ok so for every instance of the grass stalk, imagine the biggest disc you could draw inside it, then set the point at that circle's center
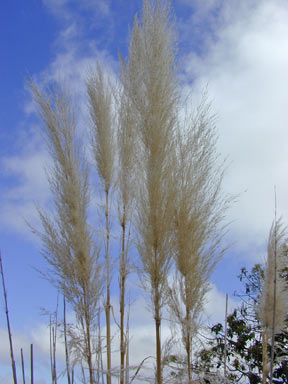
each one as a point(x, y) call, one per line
point(8, 324)
point(23, 367)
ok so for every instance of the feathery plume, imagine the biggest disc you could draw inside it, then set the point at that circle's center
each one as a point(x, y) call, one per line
point(153, 93)
point(276, 253)
point(273, 307)
point(103, 148)
point(69, 247)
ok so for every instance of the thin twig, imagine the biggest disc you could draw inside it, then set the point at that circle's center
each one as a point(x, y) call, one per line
point(139, 367)
point(8, 324)
point(65, 340)
point(22, 364)
point(31, 360)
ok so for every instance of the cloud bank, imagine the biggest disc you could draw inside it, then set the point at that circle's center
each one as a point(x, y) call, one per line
point(245, 67)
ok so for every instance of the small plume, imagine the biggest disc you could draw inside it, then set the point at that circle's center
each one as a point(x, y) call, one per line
point(102, 129)
point(277, 253)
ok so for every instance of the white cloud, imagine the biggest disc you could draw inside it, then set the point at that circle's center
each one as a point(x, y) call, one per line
point(215, 305)
point(29, 167)
point(245, 68)
point(26, 184)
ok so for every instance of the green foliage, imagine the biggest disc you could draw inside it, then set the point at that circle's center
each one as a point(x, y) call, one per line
point(252, 280)
point(244, 344)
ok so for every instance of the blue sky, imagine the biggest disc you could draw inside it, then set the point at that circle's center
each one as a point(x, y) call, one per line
point(238, 48)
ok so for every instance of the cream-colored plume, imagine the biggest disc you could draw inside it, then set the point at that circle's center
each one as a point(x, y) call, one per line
point(276, 253)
